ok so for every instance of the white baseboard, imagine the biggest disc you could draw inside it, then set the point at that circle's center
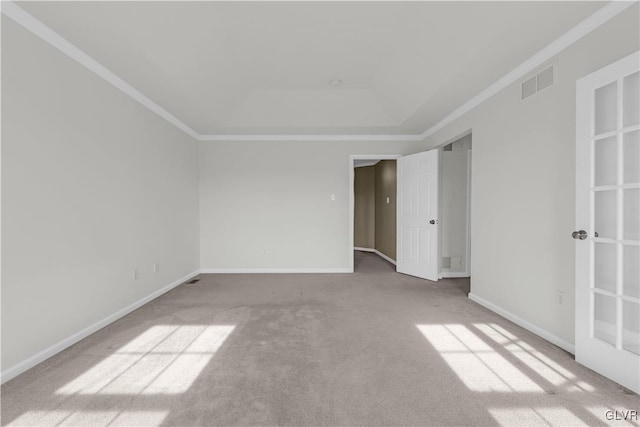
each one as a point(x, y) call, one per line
point(358, 248)
point(272, 270)
point(383, 256)
point(453, 274)
point(375, 251)
point(40, 357)
point(542, 333)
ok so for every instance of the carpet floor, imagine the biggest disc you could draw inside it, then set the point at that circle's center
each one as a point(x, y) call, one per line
point(372, 348)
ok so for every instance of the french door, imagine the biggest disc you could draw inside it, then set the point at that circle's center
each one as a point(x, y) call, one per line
point(607, 232)
point(417, 215)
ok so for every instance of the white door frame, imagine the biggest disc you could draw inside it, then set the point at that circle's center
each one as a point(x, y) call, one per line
point(351, 192)
point(469, 189)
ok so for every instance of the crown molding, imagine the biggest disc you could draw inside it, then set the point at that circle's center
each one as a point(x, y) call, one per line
point(303, 137)
point(594, 21)
point(38, 28)
point(41, 30)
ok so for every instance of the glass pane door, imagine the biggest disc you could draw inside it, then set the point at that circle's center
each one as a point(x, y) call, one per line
point(615, 206)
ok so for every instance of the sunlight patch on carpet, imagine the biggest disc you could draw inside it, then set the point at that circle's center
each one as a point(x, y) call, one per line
point(90, 418)
point(550, 371)
point(479, 366)
point(545, 416)
point(165, 359)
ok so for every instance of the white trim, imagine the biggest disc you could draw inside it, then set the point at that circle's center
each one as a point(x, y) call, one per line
point(601, 16)
point(542, 333)
point(41, 30)
point(383, 256)
point(43, 355)
point(306, 137)
point(351, 190)
point(272, 270)
point(377, 252)
point(375, 156)
point(1, 8)
point(469, 189)
point(453, 274)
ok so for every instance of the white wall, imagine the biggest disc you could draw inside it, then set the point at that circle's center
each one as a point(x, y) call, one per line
point(277, 196)
point(93, 186)
point(453, 198)
point(523, 200)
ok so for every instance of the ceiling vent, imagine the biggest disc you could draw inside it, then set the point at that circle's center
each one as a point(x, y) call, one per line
point(540, 81)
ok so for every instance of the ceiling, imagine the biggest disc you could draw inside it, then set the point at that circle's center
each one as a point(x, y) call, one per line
point(360, 163)
point(265, 68)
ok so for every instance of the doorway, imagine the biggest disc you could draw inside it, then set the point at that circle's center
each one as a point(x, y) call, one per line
point(372, 205)
point(454, 188)
point(455, 208)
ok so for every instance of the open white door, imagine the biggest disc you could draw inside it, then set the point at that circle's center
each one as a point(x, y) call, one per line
point(417, 215)
point(608, 222)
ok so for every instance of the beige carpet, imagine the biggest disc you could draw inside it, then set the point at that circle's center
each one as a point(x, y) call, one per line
point(371, 348)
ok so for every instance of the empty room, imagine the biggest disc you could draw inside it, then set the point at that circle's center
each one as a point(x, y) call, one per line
point(320, 213)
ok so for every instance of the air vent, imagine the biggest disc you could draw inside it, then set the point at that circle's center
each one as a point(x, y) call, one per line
point(540, 81)
point(545, 78)
point(529, 88)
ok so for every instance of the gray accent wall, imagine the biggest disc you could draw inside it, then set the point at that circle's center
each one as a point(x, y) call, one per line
point(385, 226)
point(375, 207)
point(364, 190)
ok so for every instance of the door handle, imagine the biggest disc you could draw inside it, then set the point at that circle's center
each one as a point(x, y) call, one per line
point(579, 235)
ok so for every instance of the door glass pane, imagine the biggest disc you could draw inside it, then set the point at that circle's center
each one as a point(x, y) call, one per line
point(631, 326)
point(631, 100)
point(605, 214)
point(631, 214)
point(604, 318)
point(605, 266)
point(606, 161)
point(631, 273)
point(605, 108)
point(631, 147)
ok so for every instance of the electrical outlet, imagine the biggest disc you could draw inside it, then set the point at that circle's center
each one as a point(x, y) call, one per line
point(265, 251)
point(135, 274)
point(560, 297)
point(156, 267)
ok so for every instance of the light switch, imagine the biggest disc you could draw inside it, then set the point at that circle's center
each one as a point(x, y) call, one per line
point(333, 197)
point(387, 200)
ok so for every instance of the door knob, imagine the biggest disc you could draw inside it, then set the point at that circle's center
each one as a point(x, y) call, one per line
point(579, 235)
point(433, 221)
